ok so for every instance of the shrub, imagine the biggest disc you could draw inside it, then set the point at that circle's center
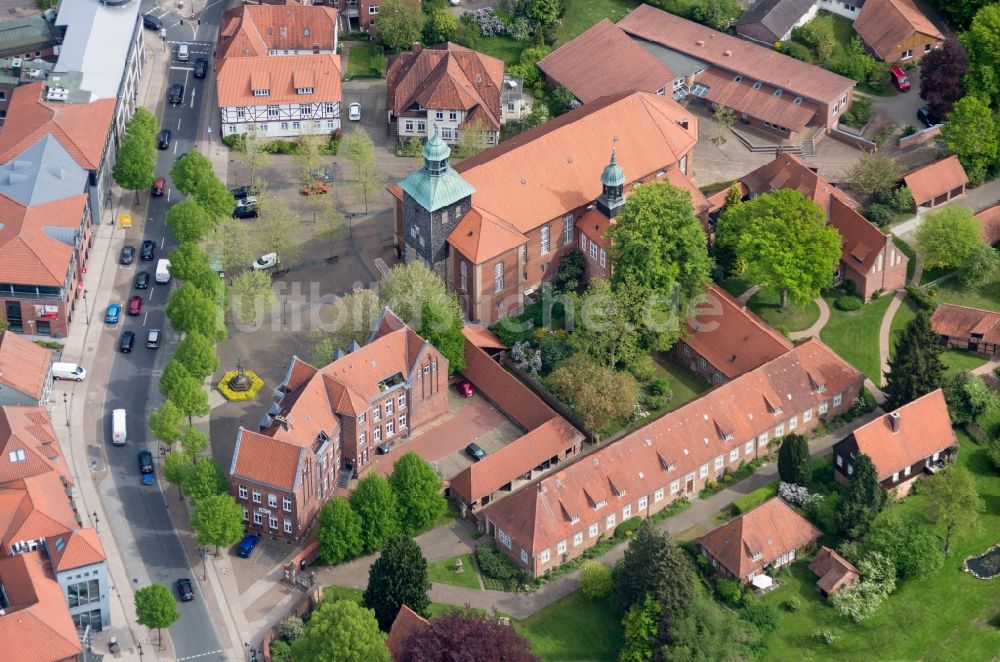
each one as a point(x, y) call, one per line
point(860, 113)
point(256, 385)
point(848, 303)
point(236, 141)
point(729, 590)
point(660, 386)
point(806, 35)
point(496, 565)
point(642, 368)
point(755, 498)
point(798, 51)
point(554, 349)
point(908, 130)
point(413, 147)
point(280, 651)
point(292, 628)
point(792, 604)
point(902, 199)
point(486, 20)
point(879, 214)
point(824, 636)
point(595, 580)
point(993, 452)
point(705, 564)
point(925, 299)
point(628, 527)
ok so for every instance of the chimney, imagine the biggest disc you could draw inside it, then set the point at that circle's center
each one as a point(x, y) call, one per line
point(894, 422)
point(727, 53)
point(416, 47)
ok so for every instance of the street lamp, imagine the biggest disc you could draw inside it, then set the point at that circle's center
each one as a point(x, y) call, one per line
point(66, 407)
point(86, 306)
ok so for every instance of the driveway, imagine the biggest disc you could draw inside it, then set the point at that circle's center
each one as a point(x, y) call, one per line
point(901, 107)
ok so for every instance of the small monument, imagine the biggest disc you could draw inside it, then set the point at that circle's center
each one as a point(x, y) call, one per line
point(239, 382)
point(458, 566)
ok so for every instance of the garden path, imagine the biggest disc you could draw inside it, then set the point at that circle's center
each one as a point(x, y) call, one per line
point(824, 317)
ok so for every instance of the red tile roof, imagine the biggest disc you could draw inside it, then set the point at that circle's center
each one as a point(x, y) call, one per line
point(252, 30)
point(961, 322)
point(861, 242)
point(604, 61)
point(481, 337)
point(989, 220)
point(29, 255)
point(934, 179)
point(28, 429)
point(238, 77)
point(734, 54)
point(730, 337)
point(760, 103)
point(481, 236)
point(266, 460)
point(37, 618)
point(923, 428)
point(756, 538)
point(82, 548)
point(834, 571)
point(446, 77)
point(33, 508)
point(24, 366)
point(406, 623)
point(885, 25)
point(513, 398)
point(81, 128)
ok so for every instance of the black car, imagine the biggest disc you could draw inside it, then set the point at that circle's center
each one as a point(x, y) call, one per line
point(142, 280)
point(929, 119)
point(383, 448)
point(184, 590)
point(163, 141)
point(176, 94)
point(200, 68)
point(127, 341)
point(241, 192)
point(127, 255)
point(148, 250)
point(475, 452)
point(151, 22)
point(245, 211)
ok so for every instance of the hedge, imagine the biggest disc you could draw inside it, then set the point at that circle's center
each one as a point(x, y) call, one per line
point(848, 303)
point(755, 498)
point(628, 527)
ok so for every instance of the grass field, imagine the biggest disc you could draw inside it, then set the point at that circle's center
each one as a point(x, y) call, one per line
point(359, 61)
point(945, 617)
point(736, 285)
point(985, 296)
point(443, 572)
point(356, 594)
point(684, 385)
point(797, 318)
point(574, 628)
point(904, 315)
point(854, 335)
point(956, 360)
point(581, 14)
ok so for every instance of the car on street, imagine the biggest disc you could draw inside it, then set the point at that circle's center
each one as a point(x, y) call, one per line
point(354, 112)
point(246, 546)
point(163, 140)
point(113, 314)
point(200, 67)
point(127, 255)
point(928, 118)
point(464, 388)
point(264, 262)
point(151, 22)
point(184, 590)
point(135, 305)
point(146, 467)
point(142, 280)
point(899, 79)
point(153, 339)
point(159, 186)
point(474, 451)
point(241, 192)
point(176, 94)
point(148, 250)
point(127, 342)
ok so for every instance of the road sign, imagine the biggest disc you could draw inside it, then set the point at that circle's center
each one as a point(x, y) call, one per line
point(209, 129)
point(124, 221)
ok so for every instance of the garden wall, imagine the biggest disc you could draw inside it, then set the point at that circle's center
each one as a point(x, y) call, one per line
point(504, 390)
point(920, 137)
point(301, 609)
point(852, 140)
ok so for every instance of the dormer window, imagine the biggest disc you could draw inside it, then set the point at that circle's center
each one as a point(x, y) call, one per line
point(757, 85)
point(303, 90)
point(262, 93)
point(17, 455)
point(737, 78)
point(797, 101)
point(778, 92)
point(305, 32)
point(756, 556)
point(600, 504)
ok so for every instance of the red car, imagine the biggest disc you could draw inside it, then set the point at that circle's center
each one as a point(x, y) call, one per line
point(464, 388)
point(159, 186)
point(899, 79)
point(135, 305)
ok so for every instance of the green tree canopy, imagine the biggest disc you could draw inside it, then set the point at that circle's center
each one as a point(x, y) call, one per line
point(354, 316)
point(176, 467)
point(597, 393)
point(135, 167)
point(654, 565)
point(190, 309)
point(982, 41)
point(706, 632)
point(641, 627)
point(784, 241)
point(596, 581)
point(418, 492)
point(916, 368)
point(948, 237)
point(610, 326)
point(189, 396)
point(193, 175)
point(194, 442)
point(204, 480)
point(969, 397)
point(913, 550)
point(232, 244)
point(544, 12)
point(953, 502)
point(166, 423)
point(339, 532)
point(156, 608)
point(793, 460)
point(217, 520)
point(874, 173)
point(375, 503)
point(279, 230)
point(399, 24)
point(398, 577)
point(971, 133)
point(441, 26)
point(341, 631)
point(173, 373)
point(863, 499)
point(982, 266)
point(197, 354)
point(188, 222)
point(251, 291)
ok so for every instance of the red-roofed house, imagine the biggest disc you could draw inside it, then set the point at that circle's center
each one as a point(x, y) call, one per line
point(564, 513)
point(834, 572)
point(407, 622)
point(769, 536)
point(448, 86)
point(326, 423)
point(34, 621)
point(896, 30)
point(971, 329)
point(25, 372)
point(277, 30)
point(902, 444)
point(989, 221)
point(938, 182)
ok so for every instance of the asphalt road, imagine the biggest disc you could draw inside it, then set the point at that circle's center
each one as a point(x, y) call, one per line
point(133, 377)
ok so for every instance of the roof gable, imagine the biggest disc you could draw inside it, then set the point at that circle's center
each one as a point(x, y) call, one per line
point(239, 77)
point(886, 24)
point(24, 367)
point(255, 30)
point(769, 21)
point(934, 179)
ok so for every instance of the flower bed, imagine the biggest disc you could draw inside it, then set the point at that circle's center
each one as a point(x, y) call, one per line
point(230, 394)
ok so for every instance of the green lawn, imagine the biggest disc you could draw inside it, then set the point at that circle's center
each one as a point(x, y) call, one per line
point(904, 315)
point(685, 385)
point(797, 318)
point(355, 595)
point(986, 296)
point(582, 14)
point(443, 572)
point(574, 628)
point(854, 335)
point(908, 251)
point(950, 616)
point(737, 285)
point(956, 360)
point(359, 59)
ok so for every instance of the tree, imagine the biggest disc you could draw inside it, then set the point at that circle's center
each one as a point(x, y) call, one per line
point(473, 138)
point(184, 389)
point(399, 24)
point(544, 12)
point(292, 628)
point(596, 581)
point(190, 309)
point(188, 263)
point(916, 368)
point(793, 460)
point(166, 423)
point(176, 467)
point(204, 480)
point(359, 151)
point(970, 132)
point(217, 520)
point(969, 397)
point(194, 442)
point(855, 62)
point(188, 222)
point(341, 631)
point(375, 503)
point(706, 632)
point(654, 565)
point(658, 245)
point(398, 577)
point(135, 166)
point(954, 503)
point(441, 326)
point(941, 73)
point(251, 290)
point(610, 327)
point(982, 42)
point(784, 241)
point(597, 393)
point(354, 316)
point(961, 11)
point(641, 627)
point(256, 155)
point(981, 267)
point(863, 499)
point(331, 222)
point(441, 26)
point(155, 608)
point(173, 373)
point(873, 173)
point(878, 580)
point(280, 230)
point(232, 244)
point(197, 354)
point(466, 635)
point(419, 492)
point(734, 196)
point(571, 271)
point(339, 532)
point(193, 175)
point(913, 550)
point(309, 155)
point(724, 118)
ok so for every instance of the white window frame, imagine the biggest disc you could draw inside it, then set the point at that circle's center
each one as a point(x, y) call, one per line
point(807, 415)
point(583, 242)
point(286, 504)
point(593, 250)
point(288, 525)
point(734, 454)
point(610, 521)
point(389, 407)
point(242, 489)
point(793, 422)
point(593, 530)
point(498, 274)
point(658, 495)
point(626, 511)
point(524, 556)
point(837, 399)
point(578, 539)
point(258, 518)
point(543, 240)
point(703, 472)
point(719, 462)
point(272, 500)
point(256, 496)
point(401, 400)
point(390, 428)
point(643, 503)
point(463, 273)
point(544, 556)
point(604, 257)
point(567, 229)
point(272, 521)
point(561, 547)
point(749, 448)
point(675, 486)
point(779, 430)
point(402, 421)
point(823, 407)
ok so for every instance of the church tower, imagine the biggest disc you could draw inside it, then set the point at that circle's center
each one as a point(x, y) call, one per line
point(612, 188)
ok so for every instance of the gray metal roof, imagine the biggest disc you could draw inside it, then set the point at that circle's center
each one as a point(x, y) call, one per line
point(683, 65)
point(35, 32)
point(42, 173)
point(96, 43)
point(769, 21)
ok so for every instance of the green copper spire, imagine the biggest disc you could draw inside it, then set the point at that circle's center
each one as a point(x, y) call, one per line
point(613, 175)
point(436, 154)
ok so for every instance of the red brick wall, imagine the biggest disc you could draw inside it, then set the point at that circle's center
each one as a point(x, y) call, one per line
point(504, 390)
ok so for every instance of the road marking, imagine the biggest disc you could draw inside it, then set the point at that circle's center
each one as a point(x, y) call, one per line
point(182, 68)
point(193, 93)
point(163, 242)
point(175, 149)
point(152, 291)
point(169, 190)
point(195, 657)
point(145, 318)
point(178, 128)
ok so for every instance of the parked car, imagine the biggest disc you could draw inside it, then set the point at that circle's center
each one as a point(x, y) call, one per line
point(899, 79)
point(151, 22)
point(159, 186)
point(246, 546)
point(475, 452)
point(241, 192)
point(153, 339)
point(135, 305)
point(146, 467)
point(354, 112)
point(148, 250)
point(176, 94)
point(127, 342)
point(142, 280)
point(464, 388)
point(200, 67)
point(113, 314)
point(928, 118)
point(245, 212)
point(383, 448)
point(264, 262)
point(127, 255)
point(320, 174)
point(184, 590)
point(163, 141)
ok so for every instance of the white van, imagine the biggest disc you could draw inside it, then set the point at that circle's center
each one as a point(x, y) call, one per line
point(118, 427)
point(163, 271)
point(183, 53)
point(68, 371)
